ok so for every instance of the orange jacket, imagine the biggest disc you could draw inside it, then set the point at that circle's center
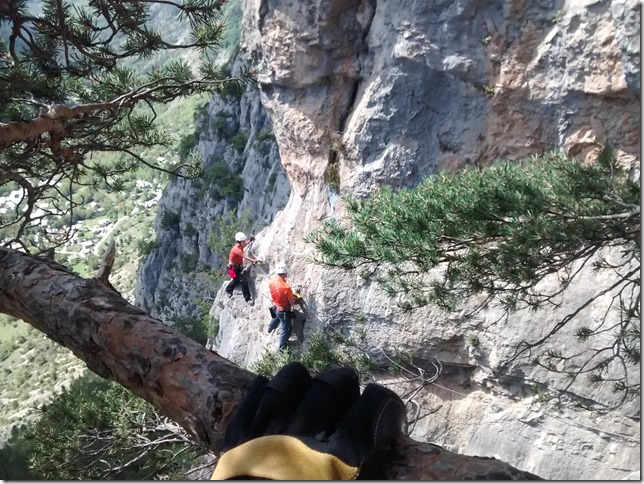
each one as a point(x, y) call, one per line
point(281, 293)
point(236, 255)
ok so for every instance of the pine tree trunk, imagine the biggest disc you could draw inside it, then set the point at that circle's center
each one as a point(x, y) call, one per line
point(191, 385)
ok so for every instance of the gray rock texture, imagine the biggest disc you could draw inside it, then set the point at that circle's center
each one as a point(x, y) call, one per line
point(385, 93)
point(182, 268)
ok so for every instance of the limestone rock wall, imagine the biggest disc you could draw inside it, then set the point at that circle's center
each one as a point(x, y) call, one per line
point(365, 93)
point(392, 91)
point(389, 92)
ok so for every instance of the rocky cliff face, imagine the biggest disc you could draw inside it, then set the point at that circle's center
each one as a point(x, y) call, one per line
point(242, 173)
point(367, 93)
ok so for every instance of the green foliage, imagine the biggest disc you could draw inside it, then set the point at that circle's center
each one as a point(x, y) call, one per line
point(7, 188)
point(170, 220)
point(109, 73)
point(175, 117)
point(222, 235)
point(192, 327)
point(200, 111)
point(332, 176)
point(186, 145)
point(219, 124)
point(222, 182)
point(98, 430)
point(239, 141)
point(93, 263)
point(211, 324)
point(144, 247)
point(15, 456)
point(270, 183)
point(263, 148)
point(324, 350)
point(499, 231)
point(233, 91)
point(190, 230)
point(198, 326)
point(231, 35)
point(265, 136)
point(189, 262)
point(558, 16)
point(264, 142)
point(502, 229)
point(270, 362)
point(26, 376)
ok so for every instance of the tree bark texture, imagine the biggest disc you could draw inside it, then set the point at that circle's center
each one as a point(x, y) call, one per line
point(53, 121)
point(191, 385)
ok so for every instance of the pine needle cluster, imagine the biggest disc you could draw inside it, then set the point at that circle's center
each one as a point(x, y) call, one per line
point(76, 81)
point(502, 231)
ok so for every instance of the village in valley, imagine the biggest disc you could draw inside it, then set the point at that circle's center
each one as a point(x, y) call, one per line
point(31, 365)
point(102, 221)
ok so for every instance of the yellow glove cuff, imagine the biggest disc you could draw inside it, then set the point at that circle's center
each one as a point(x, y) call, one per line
point(281, 457)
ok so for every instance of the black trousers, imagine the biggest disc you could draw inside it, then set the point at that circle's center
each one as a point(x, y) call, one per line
point(239, 280)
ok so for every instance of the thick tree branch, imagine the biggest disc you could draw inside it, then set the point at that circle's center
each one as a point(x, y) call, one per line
point(54, 120)
point(193, 386)
point(105, 268)
point(51, 122)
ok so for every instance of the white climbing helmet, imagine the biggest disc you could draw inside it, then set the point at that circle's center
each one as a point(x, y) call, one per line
point(280, 269)
point(240, 237)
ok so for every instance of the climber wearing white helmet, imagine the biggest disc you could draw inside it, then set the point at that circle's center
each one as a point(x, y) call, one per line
point(283, 300)
point(236, 266)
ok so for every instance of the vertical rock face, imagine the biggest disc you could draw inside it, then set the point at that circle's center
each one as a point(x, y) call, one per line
point(367, 93)
point(395, 91)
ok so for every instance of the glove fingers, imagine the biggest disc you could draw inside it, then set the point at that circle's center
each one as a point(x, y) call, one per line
point(370, 429)
point(326, 403)
point(238, 429)
point(281, 397)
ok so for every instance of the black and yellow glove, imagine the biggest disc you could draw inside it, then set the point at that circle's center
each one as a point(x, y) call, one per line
point(295, 427)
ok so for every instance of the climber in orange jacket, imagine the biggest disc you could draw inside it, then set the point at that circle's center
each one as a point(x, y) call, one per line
point(236, 266)
point(283, 299)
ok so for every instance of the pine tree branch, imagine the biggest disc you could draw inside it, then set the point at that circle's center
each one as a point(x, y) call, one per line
point(55, 119)
point(613, 216)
